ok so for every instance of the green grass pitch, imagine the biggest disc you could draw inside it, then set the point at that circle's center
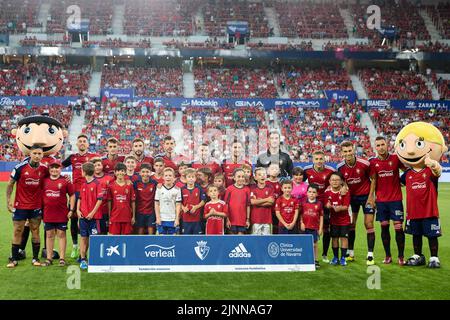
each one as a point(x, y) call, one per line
point(330, 282)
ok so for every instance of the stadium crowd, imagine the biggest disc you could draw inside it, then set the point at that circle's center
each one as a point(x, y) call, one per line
point(394, 84)
point(305, 82)
point(147, 82)
point(235, 82)
point(126, 120)
point(308, 130)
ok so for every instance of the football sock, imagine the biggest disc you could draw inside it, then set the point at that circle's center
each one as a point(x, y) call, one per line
point(434, 246)
point(36, 248)
point(417, 244)
point(336, 252)
point(326, 243)
point(400, 239)
point(343, 252)
point(386, 238)
point(25, 236)
point(351, 238)
point(370, 239)
point(15, 251)
point(74, 230)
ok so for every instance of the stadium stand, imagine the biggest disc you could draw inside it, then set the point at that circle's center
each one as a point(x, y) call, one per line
point(440, 15)
point(394, 84)
point(310, 20)
point(160, 18)
point(10, 115)
point(207, 44)
point(99, 14)
point(108, 43)
point(147, 82)
point(62, 80)
point(308, 130)
point(234, 83)
point(218, 13)
point(304, 82)
point(434, 47)
point(127, 121)
point(17, 16)
point(336, 46)
point(401, 14)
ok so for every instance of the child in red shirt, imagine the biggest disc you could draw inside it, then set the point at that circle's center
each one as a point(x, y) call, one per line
point(311, 218)
point(287, 209)
point(122, 205)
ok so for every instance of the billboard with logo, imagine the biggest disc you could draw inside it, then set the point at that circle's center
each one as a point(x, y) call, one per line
point(34, 100)
point(407, 104)
point(120, 94)
point(338, 95)
point(201, 253)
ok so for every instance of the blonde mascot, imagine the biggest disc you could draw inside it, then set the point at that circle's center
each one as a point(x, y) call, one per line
point(420, 146)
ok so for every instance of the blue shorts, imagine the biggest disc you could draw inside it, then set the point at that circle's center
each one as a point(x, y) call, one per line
point(283, 230)
point(167, 227)
point(89, 227)
point(314, 233)
point(145, 220)
point(55, 225)
point(236, 229)
point(429, 227)
point(392, 210)
point(192, 228)
point(23, 214)
point(360, 201)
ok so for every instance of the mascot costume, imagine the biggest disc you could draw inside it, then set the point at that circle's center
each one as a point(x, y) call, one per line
point(48, 133)
point(420, 146)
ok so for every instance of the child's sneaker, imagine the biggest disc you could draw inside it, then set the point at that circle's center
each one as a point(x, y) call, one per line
point(387, 260)
point(83, 265)
point(325, 259)
point(335, 261)
point(317, 264)
point(434, 263)
point(370, 261)
point(401, 261)
point(75, 252)
point(350, 258)
point(343, 261)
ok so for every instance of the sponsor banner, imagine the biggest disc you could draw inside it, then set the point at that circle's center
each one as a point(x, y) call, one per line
point(237, 26)
point(236, 103)
point(420, 104)
point(301, 103)
point(201, 253)
point(339, 95)
point(120, 94)
point(407, 104)
point(34, 101)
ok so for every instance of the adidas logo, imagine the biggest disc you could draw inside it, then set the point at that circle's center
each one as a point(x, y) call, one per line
point(240, 252)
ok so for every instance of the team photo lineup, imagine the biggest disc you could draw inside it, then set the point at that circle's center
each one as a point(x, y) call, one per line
point(224, 149)
point(138, 194)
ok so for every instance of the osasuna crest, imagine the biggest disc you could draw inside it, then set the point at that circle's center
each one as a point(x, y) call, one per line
point(59, 185)
point(358, 171)
point(390, 163)
point(201, 250)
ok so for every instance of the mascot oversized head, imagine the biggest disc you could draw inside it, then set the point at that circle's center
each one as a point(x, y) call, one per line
point(40, 130)
point(420, 144)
